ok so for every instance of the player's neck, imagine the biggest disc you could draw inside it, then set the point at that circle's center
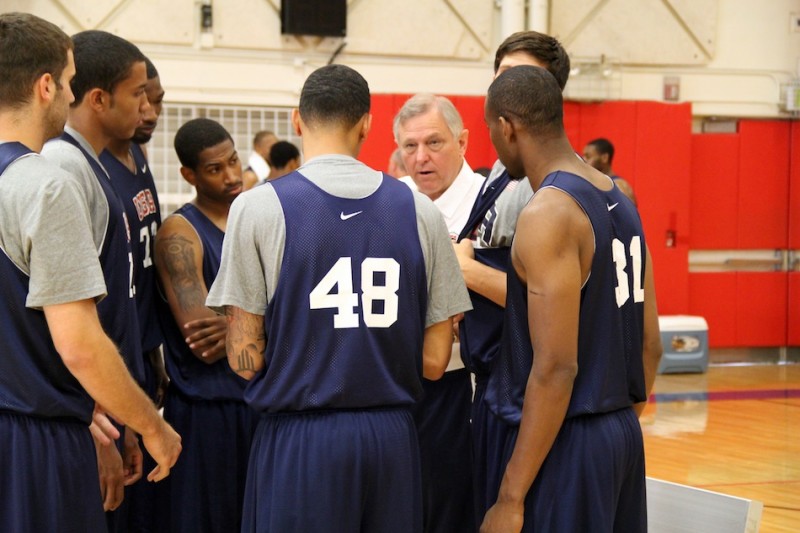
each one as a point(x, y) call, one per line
point(120, 148)
point(546, 156)
point(20, 127)
point(84, 122)
point(215, 211)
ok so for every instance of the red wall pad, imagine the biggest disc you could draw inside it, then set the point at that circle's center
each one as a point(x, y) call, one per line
point(662, 166)
point(761, 308)
point(714, 192)
point(794, 188)
point(712, 296)
point(763, 184)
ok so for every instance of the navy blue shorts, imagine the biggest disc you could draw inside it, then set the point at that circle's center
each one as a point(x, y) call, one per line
point(49, 479)
point(593, 478)
point(334, 471)
point(489, 437)
point(205, 488)
point(442, 419)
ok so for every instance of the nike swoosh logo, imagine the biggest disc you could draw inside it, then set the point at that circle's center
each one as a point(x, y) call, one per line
point(144, 169)
point(610, 207)
point(351, 215)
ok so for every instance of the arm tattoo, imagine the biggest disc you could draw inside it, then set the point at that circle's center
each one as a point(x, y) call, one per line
point(183, 275)
point(246, 341)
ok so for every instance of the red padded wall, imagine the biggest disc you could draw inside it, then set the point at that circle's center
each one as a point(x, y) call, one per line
point(761, 308)
point(572, 124)
point(763, 219)
point(711, 296)
point(714, 191)
point(615, 121)
point(380, 143)
point(793, 314)
point(480, 152)
point(793, 303)
point(662, 165)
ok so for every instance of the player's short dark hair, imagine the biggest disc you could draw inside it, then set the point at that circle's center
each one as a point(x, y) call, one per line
point(195, 136)
point(30, 47)
point(543, 47)
point(152, 72)
point(603, 146)
point(531, 96)
point(102, 60)
point(281, 153)
point(334, 94)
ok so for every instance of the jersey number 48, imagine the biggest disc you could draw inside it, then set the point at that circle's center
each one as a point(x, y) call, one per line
point(346, 302)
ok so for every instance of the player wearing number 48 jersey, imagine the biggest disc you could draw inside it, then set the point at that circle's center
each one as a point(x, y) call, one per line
point(339, 285)
point(580, 342)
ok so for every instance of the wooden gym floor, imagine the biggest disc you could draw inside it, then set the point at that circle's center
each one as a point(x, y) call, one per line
point(733, 430)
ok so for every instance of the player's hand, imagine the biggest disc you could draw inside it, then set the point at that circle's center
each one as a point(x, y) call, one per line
point(504, 518)
point(109, 467)
point(465, 252)
point(207, 335)
point(164, 446)
point(132, 458)
point(101, 427)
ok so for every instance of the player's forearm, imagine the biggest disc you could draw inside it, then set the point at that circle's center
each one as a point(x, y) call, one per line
point(437, 347)
point(546, 401)
point(485, 280)
point(95, 362)
point(246, 342)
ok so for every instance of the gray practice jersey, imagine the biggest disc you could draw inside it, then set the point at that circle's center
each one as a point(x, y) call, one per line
point(249, 281)
point(69, 158)
point(45, 230)
point(498, 227)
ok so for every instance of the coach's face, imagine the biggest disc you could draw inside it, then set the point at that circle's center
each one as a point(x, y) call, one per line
point(432, 155)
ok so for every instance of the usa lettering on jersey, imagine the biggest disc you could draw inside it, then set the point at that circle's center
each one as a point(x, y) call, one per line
point(145, 204)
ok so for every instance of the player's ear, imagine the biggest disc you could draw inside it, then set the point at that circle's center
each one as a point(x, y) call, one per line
point(188, 175)
point(97, 98)
point(508, 129)
point(366, 125)
point(296, 122)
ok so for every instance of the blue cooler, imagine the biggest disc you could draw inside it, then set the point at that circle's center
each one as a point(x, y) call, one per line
point(685, 342)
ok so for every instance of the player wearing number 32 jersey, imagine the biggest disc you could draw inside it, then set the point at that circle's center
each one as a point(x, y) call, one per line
point(340, 284)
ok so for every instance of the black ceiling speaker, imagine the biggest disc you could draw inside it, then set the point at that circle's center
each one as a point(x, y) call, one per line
point(326, 18)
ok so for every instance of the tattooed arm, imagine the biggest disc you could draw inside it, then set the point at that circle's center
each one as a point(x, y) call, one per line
point(246, 341)
point(179, 262)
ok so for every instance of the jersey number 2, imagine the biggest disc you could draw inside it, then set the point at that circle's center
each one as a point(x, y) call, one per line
point(345, 301)
point(622, 290)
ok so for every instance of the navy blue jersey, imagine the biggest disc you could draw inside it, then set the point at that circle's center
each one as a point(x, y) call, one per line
point(188, 374)
point(610, 371)
point(137, 190)
point(117, 311)
point(346, 322)
point(481, 329)
point(33, 377)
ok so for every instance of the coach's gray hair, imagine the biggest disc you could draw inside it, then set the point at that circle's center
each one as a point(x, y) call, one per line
point(420, 104)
